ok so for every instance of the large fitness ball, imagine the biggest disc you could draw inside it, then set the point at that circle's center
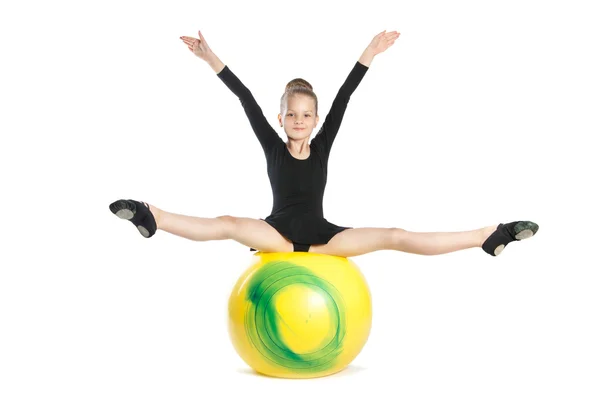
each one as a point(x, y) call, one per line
point(299, 315)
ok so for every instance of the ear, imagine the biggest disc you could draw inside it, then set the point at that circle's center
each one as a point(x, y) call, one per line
point(279, 118)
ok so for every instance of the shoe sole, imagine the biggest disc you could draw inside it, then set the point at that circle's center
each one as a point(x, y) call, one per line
point(525, 230)
point(123, 209)
point(143, 231)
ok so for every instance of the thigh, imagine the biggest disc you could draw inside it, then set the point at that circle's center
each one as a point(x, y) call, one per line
point(357, 241)
point(257, 234)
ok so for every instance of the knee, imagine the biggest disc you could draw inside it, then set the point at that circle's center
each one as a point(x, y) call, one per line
point(397, 236)
point(228, 224)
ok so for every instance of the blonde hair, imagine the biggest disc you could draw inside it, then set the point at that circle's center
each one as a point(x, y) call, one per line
point(298, 86)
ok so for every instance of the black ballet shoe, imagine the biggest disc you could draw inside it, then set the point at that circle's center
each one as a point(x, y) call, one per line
point(506, 233)
point(138, 213)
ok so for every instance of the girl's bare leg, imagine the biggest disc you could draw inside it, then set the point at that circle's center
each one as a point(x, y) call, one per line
point(250, 232)
point(354, 242)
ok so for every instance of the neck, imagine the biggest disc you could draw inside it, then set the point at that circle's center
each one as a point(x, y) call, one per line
point(298, 146)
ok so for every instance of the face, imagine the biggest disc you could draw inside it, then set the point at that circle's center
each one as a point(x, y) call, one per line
point(300, 118)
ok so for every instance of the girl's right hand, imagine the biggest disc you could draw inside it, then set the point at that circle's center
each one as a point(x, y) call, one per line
point(198, 46)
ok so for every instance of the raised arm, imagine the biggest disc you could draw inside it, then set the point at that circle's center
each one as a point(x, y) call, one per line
point(262, 129)
point(326, 135)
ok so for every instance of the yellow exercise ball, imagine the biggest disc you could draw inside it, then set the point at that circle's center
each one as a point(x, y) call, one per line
point(299, 315)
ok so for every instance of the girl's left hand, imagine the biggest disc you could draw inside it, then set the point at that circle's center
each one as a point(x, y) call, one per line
point(382, 41)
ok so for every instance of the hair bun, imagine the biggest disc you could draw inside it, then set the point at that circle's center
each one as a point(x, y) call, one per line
point(298, 82)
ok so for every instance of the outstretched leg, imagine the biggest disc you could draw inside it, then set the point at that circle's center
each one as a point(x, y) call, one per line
point(250, 232)
point(357, 241)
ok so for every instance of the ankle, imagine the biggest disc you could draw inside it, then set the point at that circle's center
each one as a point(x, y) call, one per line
point(485, 233)
point(157, 214)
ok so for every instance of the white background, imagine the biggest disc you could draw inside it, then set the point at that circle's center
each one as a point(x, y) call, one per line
point(480, 113)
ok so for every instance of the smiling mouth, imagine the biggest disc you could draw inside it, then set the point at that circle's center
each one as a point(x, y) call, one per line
point(298, 129)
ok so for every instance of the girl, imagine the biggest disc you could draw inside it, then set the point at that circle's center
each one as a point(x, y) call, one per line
point(297, 171)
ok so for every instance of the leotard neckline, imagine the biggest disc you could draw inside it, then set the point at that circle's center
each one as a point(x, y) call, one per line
point(295, 158)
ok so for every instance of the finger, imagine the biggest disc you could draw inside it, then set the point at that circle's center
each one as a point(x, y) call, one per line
point(193, 43)
point(200, 36)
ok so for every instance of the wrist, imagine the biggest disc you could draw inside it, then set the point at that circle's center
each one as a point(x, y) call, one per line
point(367, 57)
point(214, 62)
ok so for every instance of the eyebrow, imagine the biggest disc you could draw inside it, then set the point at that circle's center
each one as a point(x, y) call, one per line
point(289, 109)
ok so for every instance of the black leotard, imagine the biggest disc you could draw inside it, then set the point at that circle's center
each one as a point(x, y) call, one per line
point(298, 185)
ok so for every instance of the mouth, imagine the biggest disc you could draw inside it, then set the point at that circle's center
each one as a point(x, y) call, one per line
point(298, 129)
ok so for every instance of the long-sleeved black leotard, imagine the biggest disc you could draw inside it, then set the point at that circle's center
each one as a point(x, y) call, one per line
point(298, 185)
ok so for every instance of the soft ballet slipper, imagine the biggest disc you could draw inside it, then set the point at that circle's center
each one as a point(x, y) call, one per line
point(506, 233)
point(138, 213)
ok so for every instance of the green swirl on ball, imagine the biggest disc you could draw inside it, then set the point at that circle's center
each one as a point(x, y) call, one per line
point(262, 320)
